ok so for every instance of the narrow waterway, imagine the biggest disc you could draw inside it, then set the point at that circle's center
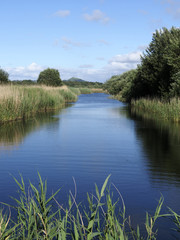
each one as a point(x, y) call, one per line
point(89, 140)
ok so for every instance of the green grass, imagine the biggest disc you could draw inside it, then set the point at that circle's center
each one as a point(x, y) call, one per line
point(85, 90)
point(21, 102)
point(75, 90)
point(103, 218)
point(17, 102)
point(158, 109)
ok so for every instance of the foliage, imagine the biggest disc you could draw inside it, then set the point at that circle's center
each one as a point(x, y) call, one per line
point(159, 63)
point(37, 217)
point(158, 73)
point(20, 102)
point(3, 76)
point(23, 82)
point(85, 90)
point(158, 109)
point(49, 77)
point(175, 86)
point(82, 84)
point(121, 85)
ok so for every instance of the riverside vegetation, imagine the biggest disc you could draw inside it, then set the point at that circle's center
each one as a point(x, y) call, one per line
point(36, 217)
point(158, 109)
point(156, 79)
point(19, 102)
point(21, 99)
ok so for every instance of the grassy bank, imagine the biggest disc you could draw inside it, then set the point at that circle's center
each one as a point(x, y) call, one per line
point(103, 218)
point(158, 109)
point(18, 102)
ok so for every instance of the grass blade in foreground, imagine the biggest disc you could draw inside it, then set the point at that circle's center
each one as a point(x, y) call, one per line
point(37, 219)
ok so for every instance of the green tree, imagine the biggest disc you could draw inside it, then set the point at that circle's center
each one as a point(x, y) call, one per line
point(121, 85)
point(175, 86)
point(49, 77)
point(4, 76)
point(159, 63)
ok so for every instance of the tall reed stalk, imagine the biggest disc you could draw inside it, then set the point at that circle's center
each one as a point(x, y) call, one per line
point(159, 109)
point(17, 102)
point(104, 218)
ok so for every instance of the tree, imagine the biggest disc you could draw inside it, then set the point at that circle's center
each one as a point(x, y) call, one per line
point(4, 76)
point(159, 63)
point(175, 86)
point(121, 85)
point(50, 77)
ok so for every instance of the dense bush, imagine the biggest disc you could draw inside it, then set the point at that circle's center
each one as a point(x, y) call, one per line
point(121, 85)
point(50, 77)
point(159, 63)
point(3, 76)
point(158, 75)
point(23, 82)
point(175, 86)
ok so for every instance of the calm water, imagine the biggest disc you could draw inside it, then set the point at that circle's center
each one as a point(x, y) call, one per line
point(89, 140)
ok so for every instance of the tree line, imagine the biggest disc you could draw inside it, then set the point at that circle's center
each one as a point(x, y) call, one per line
point(158, 74)
point(49, 77)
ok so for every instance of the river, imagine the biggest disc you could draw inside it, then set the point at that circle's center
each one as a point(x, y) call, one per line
point(89, 140)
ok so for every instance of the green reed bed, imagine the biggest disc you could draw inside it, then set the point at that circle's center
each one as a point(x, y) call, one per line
point(98, 90)
point(75, 90)
point(85, 90)
point(164, 110)
point(69, 95)
point(103, 218)
point(79, 91)
point(17, 102)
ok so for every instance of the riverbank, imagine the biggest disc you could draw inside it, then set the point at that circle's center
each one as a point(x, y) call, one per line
point(20, 102)
point(158, 109)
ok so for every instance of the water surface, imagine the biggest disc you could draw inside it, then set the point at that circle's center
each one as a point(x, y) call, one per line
point(89, 140)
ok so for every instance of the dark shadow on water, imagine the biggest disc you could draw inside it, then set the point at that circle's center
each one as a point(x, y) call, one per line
point(160, 143)
point(13, 133)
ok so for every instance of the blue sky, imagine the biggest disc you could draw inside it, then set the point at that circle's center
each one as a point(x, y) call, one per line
point(92, 40)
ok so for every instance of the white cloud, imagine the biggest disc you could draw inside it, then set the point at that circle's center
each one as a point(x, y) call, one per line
point(97, 16)
point(129, 58)
point(29, 72)
point(116, 65)
point(86, 74)
point(62, 13)
point(69, 43)
point(34, 67)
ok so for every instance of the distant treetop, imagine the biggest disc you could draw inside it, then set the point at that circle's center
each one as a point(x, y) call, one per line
point(50, 77)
